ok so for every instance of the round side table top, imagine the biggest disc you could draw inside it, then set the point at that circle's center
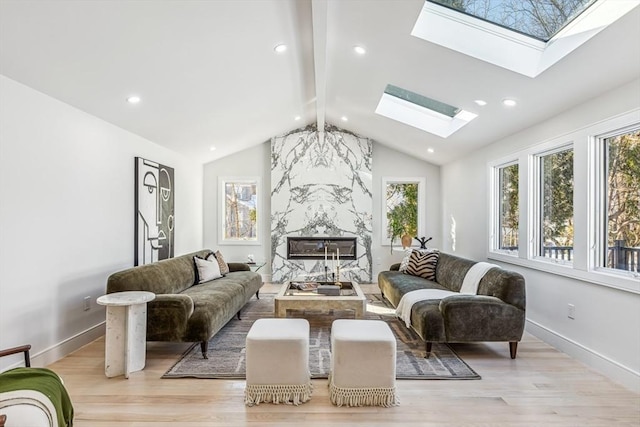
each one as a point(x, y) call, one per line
point(126, 298)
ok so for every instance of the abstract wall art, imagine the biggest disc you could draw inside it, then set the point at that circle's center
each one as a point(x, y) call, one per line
point(154, 211)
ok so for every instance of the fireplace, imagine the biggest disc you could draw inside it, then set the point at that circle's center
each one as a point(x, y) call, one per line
point(314, 247)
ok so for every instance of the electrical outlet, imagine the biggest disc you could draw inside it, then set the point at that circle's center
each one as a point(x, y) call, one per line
point(571, 311)
point(87, 303)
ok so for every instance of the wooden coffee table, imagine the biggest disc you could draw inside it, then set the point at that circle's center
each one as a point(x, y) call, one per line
point(287, 299)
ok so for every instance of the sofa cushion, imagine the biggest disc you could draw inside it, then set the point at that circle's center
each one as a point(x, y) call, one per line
point(423, 264)
point(224, 268)
point(207, 270)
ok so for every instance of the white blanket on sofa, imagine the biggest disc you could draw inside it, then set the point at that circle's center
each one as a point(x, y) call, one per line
point(403, 310)
point(473, 277)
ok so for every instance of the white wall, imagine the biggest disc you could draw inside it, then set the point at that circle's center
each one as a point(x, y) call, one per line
point(257, 161)
point(388, 162)
point(606, 331)
point(67, 218)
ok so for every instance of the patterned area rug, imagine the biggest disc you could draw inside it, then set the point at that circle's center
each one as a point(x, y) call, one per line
point(227, 347)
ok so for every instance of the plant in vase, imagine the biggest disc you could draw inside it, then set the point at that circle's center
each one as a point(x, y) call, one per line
point(402, 219)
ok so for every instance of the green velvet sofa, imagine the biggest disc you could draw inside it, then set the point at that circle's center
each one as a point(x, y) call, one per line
point(495, 313)
point(184, 310)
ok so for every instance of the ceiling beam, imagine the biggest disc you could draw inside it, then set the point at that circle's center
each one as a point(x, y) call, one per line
point(319, 13)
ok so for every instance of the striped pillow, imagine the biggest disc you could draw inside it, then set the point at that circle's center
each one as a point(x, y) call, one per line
point(423, 264)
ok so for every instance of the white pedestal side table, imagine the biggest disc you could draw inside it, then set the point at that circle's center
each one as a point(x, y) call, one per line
point(126, 337)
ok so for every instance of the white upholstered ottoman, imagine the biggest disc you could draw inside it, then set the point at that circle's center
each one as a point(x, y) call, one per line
point(363, 363)
point(278, 362)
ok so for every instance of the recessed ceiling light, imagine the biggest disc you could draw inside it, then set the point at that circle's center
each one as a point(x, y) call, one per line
point(480, 102)
point(509, 102)
point(296, 118)
point(430, 150)
point(359, 50)
point(344, 118)
point(212, 148)
point(280, 48)
point(133, 99)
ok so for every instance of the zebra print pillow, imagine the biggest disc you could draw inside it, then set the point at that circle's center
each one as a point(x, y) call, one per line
point(423, 264)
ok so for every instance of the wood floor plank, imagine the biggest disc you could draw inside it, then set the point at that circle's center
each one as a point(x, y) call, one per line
point(541, 387)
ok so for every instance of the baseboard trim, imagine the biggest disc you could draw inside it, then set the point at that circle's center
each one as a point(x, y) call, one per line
point(608, 367)
point(68, 346)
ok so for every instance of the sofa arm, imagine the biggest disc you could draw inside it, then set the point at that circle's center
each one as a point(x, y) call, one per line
point(481, 318)
point(167, 317)
point(238, 266)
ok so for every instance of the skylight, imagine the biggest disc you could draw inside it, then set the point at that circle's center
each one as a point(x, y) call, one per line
point(541, 19)
point(505, 44)
point(421, 112)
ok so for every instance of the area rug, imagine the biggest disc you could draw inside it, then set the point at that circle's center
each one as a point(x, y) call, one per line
point(227, 348)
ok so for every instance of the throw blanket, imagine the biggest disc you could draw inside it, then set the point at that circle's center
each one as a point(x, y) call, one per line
point(473, 277)
point(403, 311)
point(46, 382)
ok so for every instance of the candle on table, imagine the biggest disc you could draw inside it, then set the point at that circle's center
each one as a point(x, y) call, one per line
point(325, 254)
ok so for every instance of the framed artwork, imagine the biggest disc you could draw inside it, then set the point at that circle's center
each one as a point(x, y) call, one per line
point(403, 208)
point(154, 211)
point(239, 210)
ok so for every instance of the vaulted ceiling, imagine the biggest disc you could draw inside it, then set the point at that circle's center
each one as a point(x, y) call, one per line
point(208, 75)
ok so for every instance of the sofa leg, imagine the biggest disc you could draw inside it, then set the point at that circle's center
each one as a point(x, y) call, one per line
point(204, 346)
point(427, 347)
point(258, 294)
point(238, 314)
point(513, 348)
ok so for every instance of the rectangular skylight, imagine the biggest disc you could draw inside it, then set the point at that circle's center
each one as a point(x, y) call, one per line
point(512, 49)
point(422, 112)
point(539, 19)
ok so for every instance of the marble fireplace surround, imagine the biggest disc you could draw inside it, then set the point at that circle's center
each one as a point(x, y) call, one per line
point(321, 186)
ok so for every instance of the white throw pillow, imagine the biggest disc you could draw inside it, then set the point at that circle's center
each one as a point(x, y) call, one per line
point(207, 270)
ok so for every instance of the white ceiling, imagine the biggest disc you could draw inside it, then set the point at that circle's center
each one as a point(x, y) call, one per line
point(208, 75)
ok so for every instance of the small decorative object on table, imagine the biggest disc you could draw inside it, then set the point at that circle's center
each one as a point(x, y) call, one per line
point(423, 241)
point(251, 259)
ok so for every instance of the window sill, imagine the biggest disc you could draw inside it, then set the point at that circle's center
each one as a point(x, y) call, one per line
point(623, 280)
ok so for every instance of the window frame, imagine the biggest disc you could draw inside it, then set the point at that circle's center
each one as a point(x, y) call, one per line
point(495, 206)
point(536, 244)
point(222, 182)
point(599, 193)
point(422, 194)
point(585, 145)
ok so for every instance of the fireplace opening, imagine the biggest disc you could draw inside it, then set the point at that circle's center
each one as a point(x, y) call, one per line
point(314, 247)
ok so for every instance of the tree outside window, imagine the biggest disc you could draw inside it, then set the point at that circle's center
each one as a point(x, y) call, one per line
point(556, 205)
point(239, 200)
point(509, 213)
point(622, 200)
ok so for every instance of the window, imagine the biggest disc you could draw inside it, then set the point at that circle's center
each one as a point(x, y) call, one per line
point(539, 19)
point(508, 208)
point(620, 160)
point(239, 210)
point(555, 205)
point(403, 209)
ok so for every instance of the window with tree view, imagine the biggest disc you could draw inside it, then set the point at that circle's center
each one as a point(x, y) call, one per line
point(239, 210)
point(508, 209)
point(555, 230)
point(622, 201)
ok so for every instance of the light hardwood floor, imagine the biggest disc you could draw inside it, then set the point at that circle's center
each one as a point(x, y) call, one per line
point(542, 387)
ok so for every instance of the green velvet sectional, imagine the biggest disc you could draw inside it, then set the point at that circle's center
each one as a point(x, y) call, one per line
point(184, 310)
point(495, 313)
